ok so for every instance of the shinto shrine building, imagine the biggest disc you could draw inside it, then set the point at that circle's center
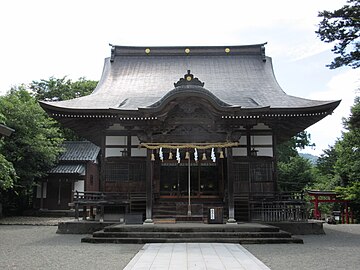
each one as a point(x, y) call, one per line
point(189, 127)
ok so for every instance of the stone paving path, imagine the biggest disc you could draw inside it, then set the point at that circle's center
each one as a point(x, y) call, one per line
point(182, 256)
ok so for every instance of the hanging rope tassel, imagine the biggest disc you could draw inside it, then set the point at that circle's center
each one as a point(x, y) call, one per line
point(178, 155)
point(213, 157)
point(161, 155)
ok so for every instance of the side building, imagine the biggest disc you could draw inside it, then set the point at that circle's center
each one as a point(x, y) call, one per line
point(189, 127)
point(76, 171)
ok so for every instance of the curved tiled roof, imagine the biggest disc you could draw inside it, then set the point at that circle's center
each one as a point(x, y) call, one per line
point(69, 169)
point(139, 77)
point(79, 151)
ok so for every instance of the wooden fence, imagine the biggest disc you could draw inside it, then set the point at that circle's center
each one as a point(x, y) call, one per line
point(99, 200)
point(276, 207)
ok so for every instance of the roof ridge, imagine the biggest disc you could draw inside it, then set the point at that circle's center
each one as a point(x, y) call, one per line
point(254, 49)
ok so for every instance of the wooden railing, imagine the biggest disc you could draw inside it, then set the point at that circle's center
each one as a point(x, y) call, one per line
point(99, 200)
point(275, 207)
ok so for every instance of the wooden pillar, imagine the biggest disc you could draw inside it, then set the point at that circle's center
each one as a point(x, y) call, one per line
point(59, 192)
point(149, 181)
point(347, 213)
point(248, 141)
point(102, 210)
point(92, 216)
point(42, 196)
point(316, 208)
point(275, 158)
point(102, 164)
point(230, 187)
point(76, 211)
point(84, 214)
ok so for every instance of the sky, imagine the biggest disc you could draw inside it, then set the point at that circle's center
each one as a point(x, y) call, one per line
point(42, 38)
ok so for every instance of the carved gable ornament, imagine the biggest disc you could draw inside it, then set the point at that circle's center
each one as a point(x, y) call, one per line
point(189, 79)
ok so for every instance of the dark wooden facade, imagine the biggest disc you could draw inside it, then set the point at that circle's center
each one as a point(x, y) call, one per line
point(189, 145)
point(77, 171)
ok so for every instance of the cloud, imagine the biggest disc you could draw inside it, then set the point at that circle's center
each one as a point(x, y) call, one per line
point(342, 86)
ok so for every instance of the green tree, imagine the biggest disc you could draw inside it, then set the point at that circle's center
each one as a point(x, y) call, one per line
point(347, 160)
point(353, 122)
point(294, 175)
point(7, 171)
point(326, 162)
point(34, 147)
point(288, 149)
point(294, 172)
point(57, 89)
point(342, 27)
point(7, 174)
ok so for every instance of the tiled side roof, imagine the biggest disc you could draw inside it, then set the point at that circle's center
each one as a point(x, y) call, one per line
point(4, 130)
point(133, 79)
point(79, 151)
point(69, 169)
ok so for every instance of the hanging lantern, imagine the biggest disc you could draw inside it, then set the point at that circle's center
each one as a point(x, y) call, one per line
point(221, 154)
point(170, 155)
point(187, 155)
point(204, 156)
point(152, 157)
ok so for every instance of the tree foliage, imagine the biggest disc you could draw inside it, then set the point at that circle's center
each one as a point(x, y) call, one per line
point(7, 174)
point(342, 26)
point(7, 171)
point(326, 162)
point(294, 172)
point(294, 175)
point(57, 89)
point(339, 167)
point(288, 149)
point(34, 146)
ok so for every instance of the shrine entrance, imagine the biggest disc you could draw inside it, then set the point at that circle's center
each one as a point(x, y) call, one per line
point(206, 179)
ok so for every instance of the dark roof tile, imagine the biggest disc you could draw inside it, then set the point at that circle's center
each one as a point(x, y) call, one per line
point(69, 169)
point(79, 151)
point(132, 79)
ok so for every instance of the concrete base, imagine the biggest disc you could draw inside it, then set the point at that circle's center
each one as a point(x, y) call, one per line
point(81, 227)
point(300, 228)
point(88, 227)
point(231, 221)
point(148, 222)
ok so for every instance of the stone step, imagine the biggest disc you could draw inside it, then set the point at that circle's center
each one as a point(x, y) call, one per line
point(192, 240)
point(194, 227)
point(193, 235)
point(164, 220)
point(250, 233)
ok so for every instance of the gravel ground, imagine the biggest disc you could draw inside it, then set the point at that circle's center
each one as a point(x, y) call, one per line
point(39, 247)
point(338, 249)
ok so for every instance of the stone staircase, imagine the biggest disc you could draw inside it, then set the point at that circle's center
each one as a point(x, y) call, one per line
point(246, 233)
point(171, 211)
